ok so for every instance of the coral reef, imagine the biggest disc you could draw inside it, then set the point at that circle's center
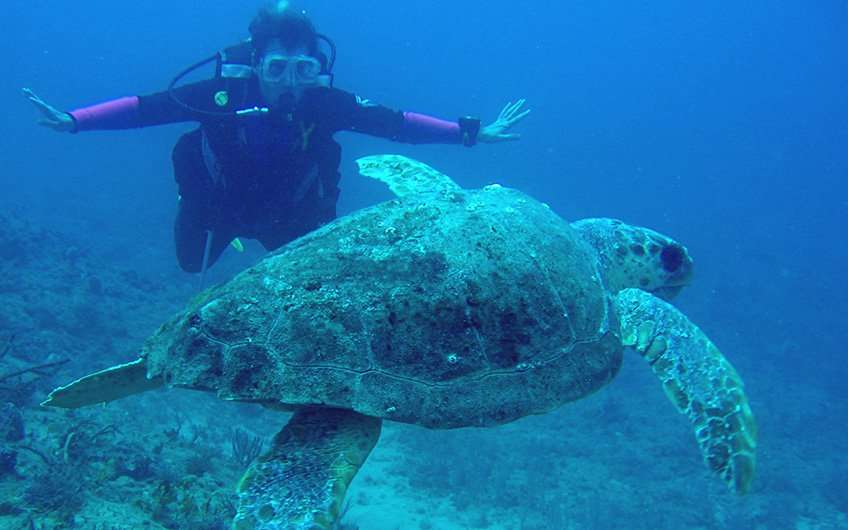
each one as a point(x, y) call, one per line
point(11, 423)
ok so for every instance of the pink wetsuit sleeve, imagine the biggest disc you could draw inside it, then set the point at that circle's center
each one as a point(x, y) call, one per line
point(121, 113)
point(423, 129)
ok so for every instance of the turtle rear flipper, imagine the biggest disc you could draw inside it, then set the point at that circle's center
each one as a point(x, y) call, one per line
point(698, 379)
point(106, 385)
point(301, 481)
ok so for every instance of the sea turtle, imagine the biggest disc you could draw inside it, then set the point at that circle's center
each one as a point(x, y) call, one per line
point(444, 308)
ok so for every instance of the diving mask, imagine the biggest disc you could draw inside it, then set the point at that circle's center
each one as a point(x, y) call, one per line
point(290, 70)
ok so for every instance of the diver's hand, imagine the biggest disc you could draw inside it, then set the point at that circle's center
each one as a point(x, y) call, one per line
point(51, 116)
point(497, 131)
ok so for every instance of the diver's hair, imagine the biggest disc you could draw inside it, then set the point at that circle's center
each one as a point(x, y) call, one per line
point(278, 20)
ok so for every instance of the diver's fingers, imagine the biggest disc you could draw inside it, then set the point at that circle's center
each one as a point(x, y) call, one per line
point(510, 108)
point(35, 100)
point(518, 109)
point(44, 109)
point(504, 110)
point(49, 111)
point(30, 95)
point(50, 124)
point(515, 107)
point(515, 119)
point(41, 105)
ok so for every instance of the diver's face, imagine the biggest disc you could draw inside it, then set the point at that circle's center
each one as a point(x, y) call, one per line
point(284, 73)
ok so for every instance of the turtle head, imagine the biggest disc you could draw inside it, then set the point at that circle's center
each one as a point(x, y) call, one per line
point(633, 256)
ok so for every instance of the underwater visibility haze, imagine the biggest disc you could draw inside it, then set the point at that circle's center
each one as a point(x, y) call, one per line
point(723, 127)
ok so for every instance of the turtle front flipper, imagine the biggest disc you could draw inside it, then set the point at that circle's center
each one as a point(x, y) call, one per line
point(106, 385)
point(301, 481)
point(698, 379)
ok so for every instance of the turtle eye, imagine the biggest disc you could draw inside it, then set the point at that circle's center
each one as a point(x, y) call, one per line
point(672, 258)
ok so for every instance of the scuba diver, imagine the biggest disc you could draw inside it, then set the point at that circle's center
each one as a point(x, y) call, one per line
point(263, 163)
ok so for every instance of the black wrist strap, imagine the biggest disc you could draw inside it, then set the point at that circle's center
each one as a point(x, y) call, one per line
point(469, 128)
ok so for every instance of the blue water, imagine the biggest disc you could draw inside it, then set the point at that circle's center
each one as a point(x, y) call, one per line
point(722, 124)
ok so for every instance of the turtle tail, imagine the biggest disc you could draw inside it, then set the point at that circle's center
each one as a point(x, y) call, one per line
point(698, 379)
point(106, 385)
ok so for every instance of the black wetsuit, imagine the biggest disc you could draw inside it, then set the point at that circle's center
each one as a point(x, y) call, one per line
point(271, 177)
